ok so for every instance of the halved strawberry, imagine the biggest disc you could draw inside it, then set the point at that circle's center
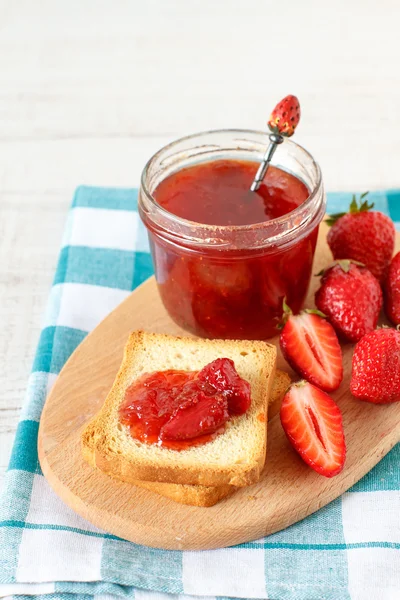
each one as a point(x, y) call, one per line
point(312, 422)
point(311, 347)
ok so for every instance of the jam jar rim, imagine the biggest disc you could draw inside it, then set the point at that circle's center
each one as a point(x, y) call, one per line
point(303, 218)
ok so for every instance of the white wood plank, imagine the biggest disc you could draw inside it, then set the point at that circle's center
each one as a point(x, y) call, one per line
point(60, 165)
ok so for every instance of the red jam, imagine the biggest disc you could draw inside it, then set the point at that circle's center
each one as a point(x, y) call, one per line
point(214, 292)
point(180, 409)
point(218, 193)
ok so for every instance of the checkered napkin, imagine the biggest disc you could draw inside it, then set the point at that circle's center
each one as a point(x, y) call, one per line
point(349, 550)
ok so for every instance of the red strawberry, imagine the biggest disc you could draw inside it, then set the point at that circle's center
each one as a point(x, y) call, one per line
point(310, 345)
point(392, 291)
point(375, 374)
point(351, 298)
point(285, 117)
point(312, 422)
point(363, 235)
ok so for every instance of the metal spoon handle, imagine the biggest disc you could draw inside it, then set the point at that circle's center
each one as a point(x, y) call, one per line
point(275, 140)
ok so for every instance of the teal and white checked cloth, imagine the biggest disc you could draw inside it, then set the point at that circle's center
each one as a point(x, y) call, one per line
point(349, 550)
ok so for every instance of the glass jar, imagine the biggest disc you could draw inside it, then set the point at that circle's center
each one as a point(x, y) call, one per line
point(230, 281)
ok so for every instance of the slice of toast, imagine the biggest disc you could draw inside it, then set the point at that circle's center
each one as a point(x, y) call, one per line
point(279, 388)
point(200, 495)
point(235, 457)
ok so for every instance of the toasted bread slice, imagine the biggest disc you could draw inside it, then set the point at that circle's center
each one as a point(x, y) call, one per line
point(201, 495)
point(279, 388)
point(235, 457)
point(194, 495)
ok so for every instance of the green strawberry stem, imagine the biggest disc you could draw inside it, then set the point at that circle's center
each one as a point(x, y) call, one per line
point(354, 208)
point(315, 311)
point(287, 313)
point(299, 384)
point(344, 263)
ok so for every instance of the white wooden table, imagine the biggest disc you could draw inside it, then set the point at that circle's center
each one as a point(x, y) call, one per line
point(89, 90)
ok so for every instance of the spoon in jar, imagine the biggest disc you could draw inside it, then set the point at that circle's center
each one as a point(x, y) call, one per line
point(283, 121)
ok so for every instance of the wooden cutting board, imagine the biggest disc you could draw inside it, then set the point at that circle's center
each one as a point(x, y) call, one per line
point(287, 492)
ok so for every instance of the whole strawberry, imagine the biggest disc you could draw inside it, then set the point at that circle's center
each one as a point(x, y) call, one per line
point(351, 297)
point(392, 291)
point(285, 117)
point(364, 235)
point(375, 373)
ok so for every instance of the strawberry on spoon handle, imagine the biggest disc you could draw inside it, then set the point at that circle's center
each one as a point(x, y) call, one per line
point(285, 117)
point(283, 121)
point(313, 425)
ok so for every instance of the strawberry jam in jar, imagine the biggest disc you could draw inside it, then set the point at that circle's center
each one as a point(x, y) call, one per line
point(226, 257)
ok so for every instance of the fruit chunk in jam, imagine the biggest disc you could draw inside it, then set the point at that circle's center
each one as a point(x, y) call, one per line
point(230, 293)
point(222, 376)
point(179, 409)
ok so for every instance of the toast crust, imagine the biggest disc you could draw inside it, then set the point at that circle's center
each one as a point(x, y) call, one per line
point(192, 495)
point(131, 460)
